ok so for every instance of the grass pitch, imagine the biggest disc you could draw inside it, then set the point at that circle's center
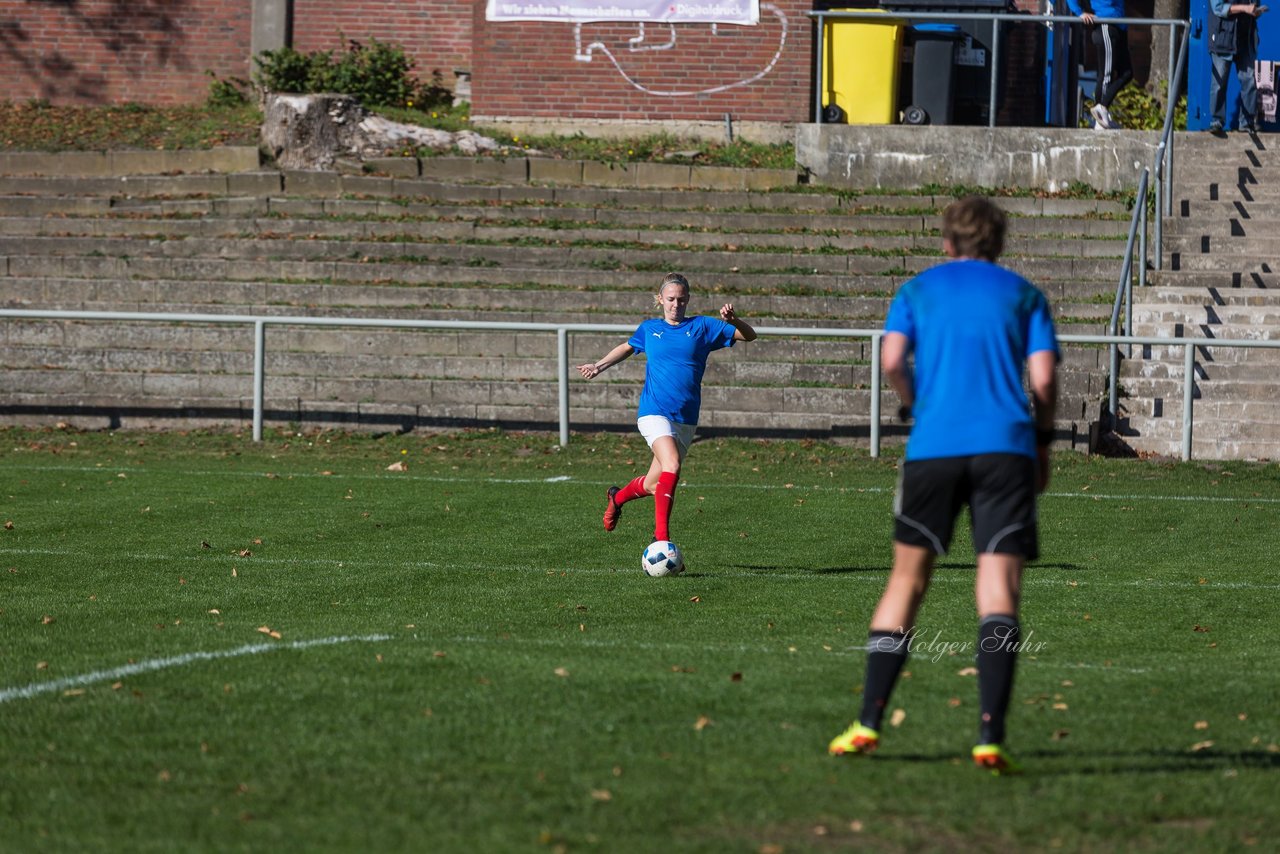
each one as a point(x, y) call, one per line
point(207, 644)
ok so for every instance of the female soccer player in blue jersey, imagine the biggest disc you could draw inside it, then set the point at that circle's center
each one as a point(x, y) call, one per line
point(676, 348)
point(970, 325)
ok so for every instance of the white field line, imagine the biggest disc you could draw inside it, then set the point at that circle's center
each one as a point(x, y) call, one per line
point(929, 655)
point(36, 688)
point(114, 471)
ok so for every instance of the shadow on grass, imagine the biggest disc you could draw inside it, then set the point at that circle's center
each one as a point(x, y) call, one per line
point(1045, 763)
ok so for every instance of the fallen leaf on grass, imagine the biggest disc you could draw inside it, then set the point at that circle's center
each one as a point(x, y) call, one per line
point(73, 692)
point(1062, 707)
point(736, 677)
point(602, 795)
point(898, 716)
point(954, 702)
point(1201, 745)
point(855, 826)
point(702, 723)
point(1199, 628)
point(1060, 734)
point(245, 553)
point(967, 671)
point(560, 671)
point(1201, 725)
point(397, 466)
point(267, 630)
point(46, 619)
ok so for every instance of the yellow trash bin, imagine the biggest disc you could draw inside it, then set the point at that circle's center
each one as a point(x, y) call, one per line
point(860, 68)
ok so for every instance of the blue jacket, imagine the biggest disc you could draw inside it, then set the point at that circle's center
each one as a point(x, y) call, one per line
point(1101, 8)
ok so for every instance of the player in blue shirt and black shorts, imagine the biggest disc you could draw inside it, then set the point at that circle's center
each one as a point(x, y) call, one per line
point(970, 325)
point(676, 348)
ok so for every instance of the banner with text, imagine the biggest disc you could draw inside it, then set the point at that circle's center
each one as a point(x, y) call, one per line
point(641, 11)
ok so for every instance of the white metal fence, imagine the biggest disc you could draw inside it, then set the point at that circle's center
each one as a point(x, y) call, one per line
point(562, 332)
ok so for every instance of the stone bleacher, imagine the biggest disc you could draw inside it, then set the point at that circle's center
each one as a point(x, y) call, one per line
point(453, 241)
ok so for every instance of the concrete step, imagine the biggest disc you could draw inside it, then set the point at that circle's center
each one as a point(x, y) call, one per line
point(1209, 370)
point(1217, 317)
point(499, 187)
point(1221, 281)
point(1258, 242)
point(1205, 351)
point(248, 216)
point(552, 300)
point(174, 265)
point(1220, 263)
point(1174, 330)
point(1233, 391)
point(1176, 293)
point(1137, 437)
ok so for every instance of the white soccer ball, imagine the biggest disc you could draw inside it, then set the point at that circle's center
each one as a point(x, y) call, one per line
point(662, 558)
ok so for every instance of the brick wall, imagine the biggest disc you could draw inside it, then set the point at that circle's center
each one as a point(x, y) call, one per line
point(111, 51)
point(157, 51)
point(687, 71)
point(436, 34)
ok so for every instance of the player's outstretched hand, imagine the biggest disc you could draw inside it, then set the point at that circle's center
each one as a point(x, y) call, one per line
point(589, 371)
point(726, 312)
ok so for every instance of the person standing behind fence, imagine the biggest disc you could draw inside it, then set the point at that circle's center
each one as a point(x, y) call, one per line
point(1111, 44)
point(970, 325)
point(1233, 40)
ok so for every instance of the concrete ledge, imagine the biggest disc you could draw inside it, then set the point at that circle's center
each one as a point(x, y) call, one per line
point(135, 162)
point(711, 131)
point(902, 157)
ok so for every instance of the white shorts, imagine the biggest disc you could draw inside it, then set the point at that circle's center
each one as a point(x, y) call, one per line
point(654, 427)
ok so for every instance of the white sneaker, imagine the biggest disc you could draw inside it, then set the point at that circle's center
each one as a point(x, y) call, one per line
point(1102, 118)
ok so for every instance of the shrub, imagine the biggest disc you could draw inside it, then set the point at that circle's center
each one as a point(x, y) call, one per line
point(376, 73)
point(227, 93)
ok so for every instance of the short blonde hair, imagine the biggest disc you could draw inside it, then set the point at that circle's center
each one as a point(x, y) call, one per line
point(670, 279)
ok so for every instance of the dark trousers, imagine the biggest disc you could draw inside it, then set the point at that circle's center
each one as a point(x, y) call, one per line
point(1114, 69)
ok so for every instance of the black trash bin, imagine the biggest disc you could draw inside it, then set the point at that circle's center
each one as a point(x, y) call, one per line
point(971, 65)
point(933, 81)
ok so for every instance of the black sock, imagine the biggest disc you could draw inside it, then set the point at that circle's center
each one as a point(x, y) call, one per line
point(997, 654)
point(886, 653)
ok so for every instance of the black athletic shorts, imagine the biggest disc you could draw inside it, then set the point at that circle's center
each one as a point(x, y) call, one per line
point(1000, 490)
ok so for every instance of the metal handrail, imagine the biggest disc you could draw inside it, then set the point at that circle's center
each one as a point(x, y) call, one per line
point(1162, 160)
point(1124, 293)
point(563, 330)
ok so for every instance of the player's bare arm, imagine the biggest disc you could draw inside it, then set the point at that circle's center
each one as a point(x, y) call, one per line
point(591, 370)
point(743, 330)
point(1042, 371)
point(894, 350)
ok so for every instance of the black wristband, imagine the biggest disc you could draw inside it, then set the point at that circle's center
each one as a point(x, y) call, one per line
point(904, 414)
point(1044, 438)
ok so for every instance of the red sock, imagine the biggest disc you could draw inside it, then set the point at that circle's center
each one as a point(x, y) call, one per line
point(662, 501)
point(633, 490)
